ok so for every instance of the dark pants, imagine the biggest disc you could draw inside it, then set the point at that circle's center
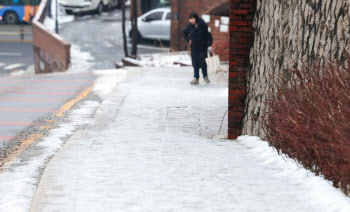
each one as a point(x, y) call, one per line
point(199, 64)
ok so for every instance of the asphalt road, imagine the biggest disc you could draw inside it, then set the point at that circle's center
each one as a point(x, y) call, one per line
point(16, 32)
point(98, 35)
point(15, 54)
point(101, 36)
point(27, 102)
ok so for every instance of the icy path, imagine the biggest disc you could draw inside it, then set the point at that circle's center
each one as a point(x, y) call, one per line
point(149, 149)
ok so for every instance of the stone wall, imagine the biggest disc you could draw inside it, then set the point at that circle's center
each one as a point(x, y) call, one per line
point(51, 52)
point(288, 34)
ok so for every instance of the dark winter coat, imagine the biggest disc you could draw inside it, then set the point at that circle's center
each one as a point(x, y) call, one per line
point(200, 37)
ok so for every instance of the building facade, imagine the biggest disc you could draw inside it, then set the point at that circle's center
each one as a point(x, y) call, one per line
point(215, 13)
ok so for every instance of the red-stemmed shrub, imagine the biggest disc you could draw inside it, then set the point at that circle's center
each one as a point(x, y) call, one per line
point(309, 120)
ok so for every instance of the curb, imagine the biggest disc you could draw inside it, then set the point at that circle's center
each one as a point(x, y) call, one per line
point(32, 138)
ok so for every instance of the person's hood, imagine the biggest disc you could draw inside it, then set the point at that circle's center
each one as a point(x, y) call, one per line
point(201, 21)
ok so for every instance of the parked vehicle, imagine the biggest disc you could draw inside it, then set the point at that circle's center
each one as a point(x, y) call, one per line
point(154, 25)
point(18, 11)
point(85, 6)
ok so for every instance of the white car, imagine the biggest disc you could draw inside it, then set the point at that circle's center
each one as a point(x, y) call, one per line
point(154, 25)
point(83, 6)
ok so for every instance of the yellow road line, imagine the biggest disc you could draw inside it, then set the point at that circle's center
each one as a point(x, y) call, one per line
point(72, 102)
point(36, 136)
point(51, 121)
point(20, 148)
point(45, 128)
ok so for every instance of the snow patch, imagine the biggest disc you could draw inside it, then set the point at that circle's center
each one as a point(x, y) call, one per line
point(18, 73)
point(165, 60)
point(81, 62)
point(155, 158)
point(107, 79)
point(20, 177)
point(321, 190)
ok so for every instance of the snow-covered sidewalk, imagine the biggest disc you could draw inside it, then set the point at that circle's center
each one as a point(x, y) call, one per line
point(154, 144)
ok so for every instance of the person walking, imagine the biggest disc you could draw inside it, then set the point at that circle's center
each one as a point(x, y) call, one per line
point(198, 37)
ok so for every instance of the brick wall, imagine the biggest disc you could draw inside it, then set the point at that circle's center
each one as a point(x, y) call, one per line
point(180, 9)
point(287, 34)
point(241, 41)
point(218, 29)
point(51, 52)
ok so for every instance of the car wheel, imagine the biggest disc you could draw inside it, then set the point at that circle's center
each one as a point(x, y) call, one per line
point(99, 9)
point(11, 18)
point(69, 12)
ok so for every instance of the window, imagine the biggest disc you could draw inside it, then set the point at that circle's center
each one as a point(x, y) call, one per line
point(157, 16)
point(19, 2)
point(35, 2)
point(25, 2)
point(167, 16)
point(14, 2)
point(9, 2)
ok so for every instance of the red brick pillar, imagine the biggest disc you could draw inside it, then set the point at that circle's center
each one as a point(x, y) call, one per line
point(241, 41)
point(175, 36)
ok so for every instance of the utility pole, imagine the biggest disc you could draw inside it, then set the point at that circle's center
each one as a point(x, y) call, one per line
point(56, 22)
point(135, 33)
point(126, 52)
point(49, 13)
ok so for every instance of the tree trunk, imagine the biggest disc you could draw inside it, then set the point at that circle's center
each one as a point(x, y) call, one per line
point(126, 52)
point(135, 35)
point(291, 34)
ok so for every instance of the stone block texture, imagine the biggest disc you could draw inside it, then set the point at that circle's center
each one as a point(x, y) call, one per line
point(289, 34)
